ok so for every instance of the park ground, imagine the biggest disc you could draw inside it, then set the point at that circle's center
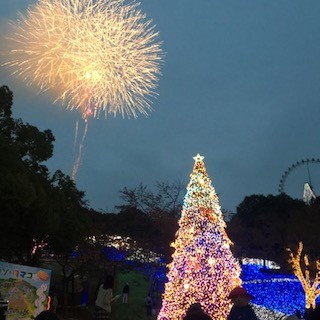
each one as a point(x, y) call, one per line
point(133, 310)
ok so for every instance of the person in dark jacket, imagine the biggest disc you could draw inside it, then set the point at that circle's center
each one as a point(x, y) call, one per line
point(314, 314)
point(241, 309)
point(148, 303)
point(125, 293)
point(195, 312)
point(46, 315)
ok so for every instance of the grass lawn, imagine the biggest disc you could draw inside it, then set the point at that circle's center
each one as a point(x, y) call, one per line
point(134, 309)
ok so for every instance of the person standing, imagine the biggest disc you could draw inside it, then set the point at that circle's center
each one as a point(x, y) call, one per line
point(148, 304)
point(84, 294)
point(104, 299)
point(125, 293)
point(241, 310)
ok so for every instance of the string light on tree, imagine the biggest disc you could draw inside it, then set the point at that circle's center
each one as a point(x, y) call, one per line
point(203, 268)
point(311, 286)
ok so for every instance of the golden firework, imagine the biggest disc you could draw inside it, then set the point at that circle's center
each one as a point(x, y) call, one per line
point(92, 55)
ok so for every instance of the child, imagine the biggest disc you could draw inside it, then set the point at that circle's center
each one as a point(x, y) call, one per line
point(241, 310)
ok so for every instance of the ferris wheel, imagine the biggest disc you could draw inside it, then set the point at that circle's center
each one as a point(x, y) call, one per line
point(299, 175)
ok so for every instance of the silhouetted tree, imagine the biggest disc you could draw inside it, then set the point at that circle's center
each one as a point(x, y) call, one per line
point(264, 226)
point(166, 198)
point(35, 208)
point(24, 186)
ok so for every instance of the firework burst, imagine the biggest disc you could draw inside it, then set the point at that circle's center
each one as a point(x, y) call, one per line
point(91, 55)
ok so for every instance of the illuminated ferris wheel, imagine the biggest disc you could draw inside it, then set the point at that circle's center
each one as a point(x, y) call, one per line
point(298, 177)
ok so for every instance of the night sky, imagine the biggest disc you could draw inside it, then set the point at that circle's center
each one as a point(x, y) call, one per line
point(240, 85)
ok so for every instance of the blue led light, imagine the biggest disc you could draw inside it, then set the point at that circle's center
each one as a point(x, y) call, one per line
point(275, 291)
point(281, 292)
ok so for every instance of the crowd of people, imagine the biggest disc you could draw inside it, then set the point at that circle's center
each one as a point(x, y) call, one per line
point(242, 310)
point(240, 298)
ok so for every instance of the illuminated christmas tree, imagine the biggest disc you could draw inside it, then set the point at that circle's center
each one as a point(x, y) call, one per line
point(203, 268)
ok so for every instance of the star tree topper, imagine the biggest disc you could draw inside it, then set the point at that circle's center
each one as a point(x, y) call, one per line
point(198, 158)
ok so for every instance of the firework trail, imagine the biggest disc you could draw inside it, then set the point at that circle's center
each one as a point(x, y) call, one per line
point(97, 56)
point(79, 156)
point(75, 136)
